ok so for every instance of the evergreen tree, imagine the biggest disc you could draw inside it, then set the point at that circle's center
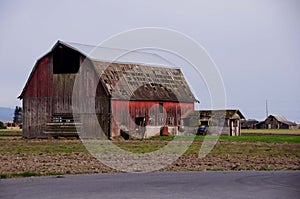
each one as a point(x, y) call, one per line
point(1, 125)
point(18, 115)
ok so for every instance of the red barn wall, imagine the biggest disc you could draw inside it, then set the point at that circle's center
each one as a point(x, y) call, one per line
point(125, 112)
point(37, 105)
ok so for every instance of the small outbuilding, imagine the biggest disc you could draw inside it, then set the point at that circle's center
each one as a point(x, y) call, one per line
point(249, 123)
point(138, 94)
point(227, 120)
point(276, 122)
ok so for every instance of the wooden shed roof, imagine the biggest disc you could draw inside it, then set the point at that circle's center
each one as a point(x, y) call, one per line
point(229, 113)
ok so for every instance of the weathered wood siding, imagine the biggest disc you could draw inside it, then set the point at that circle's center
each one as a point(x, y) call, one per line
point(125, 112)
point(37, 106)
point(89, 89)
point(50, 92)
point(62, 93)
point(273, 123)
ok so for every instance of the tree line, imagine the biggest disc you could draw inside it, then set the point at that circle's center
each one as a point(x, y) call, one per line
point(17, 119)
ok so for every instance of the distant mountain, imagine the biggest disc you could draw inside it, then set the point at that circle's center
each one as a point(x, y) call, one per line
point(6, 114)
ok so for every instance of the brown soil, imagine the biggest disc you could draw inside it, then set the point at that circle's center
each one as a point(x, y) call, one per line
point(234, 162)
point(46, 163)
point(59, 163)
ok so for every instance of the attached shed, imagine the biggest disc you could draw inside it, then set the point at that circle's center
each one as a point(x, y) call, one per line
point(276, 122)
point(138, 94)
point(229, 120)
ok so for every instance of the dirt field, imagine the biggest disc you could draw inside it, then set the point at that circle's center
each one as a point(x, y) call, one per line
point(20, 157)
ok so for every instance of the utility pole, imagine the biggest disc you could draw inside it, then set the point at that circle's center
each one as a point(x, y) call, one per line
point(267, 111)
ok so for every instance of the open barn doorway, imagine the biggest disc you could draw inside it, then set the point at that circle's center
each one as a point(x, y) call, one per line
point(140, 122)
point(140, 126)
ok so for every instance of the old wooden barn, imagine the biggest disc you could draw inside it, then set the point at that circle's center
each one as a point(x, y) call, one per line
point(132, 95)
point(276, 122)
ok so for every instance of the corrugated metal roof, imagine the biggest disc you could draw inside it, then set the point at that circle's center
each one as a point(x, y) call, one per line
point(139, 82)
point(119, 55)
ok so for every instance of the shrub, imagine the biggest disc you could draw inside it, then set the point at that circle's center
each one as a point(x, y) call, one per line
point(2, 125)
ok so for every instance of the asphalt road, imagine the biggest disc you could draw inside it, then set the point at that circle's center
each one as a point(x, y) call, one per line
point(244, 184)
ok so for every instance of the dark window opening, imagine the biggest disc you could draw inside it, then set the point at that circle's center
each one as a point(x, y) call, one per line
point(140, 122)
point(65, 60)
point(204, 123)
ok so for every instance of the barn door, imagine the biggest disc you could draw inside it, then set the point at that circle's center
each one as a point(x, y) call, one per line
point(140, 126)
point(62, 93)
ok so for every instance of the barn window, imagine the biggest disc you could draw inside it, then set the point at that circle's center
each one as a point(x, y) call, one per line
point(161, 121)
point(65, 60)
point(171, 121)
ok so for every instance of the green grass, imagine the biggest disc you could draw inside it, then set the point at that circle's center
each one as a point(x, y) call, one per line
point(264, 138)
point(29, 174)
point(269, 131)
point(249, 138)
point(224, 148)
point(140, 146)
point(20, 146)
point(16, 175)
point(249, 150)
point(24, 174)
point(55, 147)
point(10, 132)
point(41, 146)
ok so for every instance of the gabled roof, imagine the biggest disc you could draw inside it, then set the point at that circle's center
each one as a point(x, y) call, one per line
point(136, 75)
point(228, 113)
point(282, 119)
point(107, 54)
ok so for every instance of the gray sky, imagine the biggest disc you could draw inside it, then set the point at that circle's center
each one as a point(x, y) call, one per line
point(255, 43)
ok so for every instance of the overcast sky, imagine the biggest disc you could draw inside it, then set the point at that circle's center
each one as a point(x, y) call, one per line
point(255, 44)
